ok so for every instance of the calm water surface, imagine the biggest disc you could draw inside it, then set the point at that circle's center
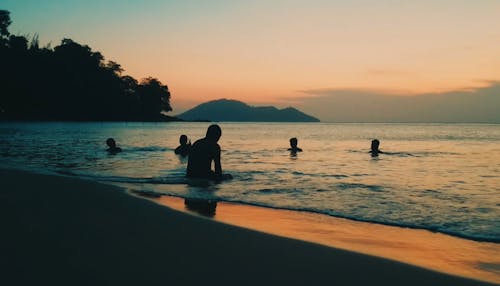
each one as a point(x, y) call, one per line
point(441, 177)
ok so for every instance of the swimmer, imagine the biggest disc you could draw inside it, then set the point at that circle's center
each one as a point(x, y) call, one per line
point(374, 148)
point(184, 148)
point(293, 146)
point(112, 146)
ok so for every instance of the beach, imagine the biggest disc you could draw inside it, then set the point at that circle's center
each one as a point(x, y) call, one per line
point(420, 247)
point(249, 143)
point(60, 230)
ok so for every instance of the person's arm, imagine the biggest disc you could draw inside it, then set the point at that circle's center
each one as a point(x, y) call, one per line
point(218, 167)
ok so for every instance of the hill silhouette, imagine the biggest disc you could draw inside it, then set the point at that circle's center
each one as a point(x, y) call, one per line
point(233, 110)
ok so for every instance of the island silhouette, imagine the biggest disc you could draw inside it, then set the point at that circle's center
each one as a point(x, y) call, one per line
point(233, 110)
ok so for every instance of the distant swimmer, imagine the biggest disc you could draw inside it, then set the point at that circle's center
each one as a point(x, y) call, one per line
point(112, 146)
point(293, 146)
point(374, 148)
point(203, 152)
point(184, 148)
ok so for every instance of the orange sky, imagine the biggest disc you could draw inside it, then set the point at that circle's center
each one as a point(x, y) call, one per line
point(269, 51)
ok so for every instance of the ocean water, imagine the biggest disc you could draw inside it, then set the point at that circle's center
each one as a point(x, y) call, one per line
point(440, 177)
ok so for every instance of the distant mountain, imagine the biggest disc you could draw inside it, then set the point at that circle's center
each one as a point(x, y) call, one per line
point(233, 110)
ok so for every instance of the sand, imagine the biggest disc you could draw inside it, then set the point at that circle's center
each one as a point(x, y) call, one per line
point(66, 231)
point(431, 250)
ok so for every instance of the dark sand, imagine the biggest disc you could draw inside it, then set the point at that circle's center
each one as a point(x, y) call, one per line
point(65, 231)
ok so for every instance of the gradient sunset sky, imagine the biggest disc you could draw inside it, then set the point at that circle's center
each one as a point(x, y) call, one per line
point(281, 52)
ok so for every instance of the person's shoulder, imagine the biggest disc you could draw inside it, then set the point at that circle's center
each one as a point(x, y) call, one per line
point(197, 143)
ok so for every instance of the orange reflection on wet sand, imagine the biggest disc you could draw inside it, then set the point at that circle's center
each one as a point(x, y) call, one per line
point(479, 260)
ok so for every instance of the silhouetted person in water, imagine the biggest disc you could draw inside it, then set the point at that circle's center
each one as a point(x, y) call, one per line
point(112, 146)
point(293, 146)
point(203, 152)
point(184, 148)
point(374, 148)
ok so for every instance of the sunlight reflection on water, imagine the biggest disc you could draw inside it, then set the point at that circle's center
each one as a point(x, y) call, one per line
point(437, 176)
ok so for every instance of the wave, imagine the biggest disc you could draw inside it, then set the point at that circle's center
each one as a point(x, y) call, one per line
point(434, 153)
point(273, 191)
point(430, 227)
point(433, 228)
point(146, 149)
point(408, 154)
point(176, 178)
point(349, 186)
point(173, 180)
point(182, 180)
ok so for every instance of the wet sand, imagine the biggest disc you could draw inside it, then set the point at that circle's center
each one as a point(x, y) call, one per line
point(431, 250)
point(65, 231)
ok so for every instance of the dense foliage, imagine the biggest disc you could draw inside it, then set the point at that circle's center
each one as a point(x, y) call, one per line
point(71, 82)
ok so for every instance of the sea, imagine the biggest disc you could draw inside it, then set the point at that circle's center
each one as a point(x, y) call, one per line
point(439, 177)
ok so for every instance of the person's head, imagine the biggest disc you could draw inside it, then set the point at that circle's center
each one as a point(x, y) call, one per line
point(375, 144)
point(111, 143)
point(183, 139)
point(214, 133)
point(293, 142)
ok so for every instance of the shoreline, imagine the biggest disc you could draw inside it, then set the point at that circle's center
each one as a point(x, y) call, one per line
point(423, 248)
point(153, 195)
point(68, 230)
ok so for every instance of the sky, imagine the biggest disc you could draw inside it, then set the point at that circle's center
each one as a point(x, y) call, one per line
point(315, 55)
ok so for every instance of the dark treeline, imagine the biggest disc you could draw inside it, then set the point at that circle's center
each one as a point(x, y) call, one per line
point(71, 82)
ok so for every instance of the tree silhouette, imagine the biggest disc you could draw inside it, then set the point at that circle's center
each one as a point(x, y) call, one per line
point(115, 67)
point(18, 44)
point(4, 28)
point(4, 23)
point(71, 82)
point(153, 96)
